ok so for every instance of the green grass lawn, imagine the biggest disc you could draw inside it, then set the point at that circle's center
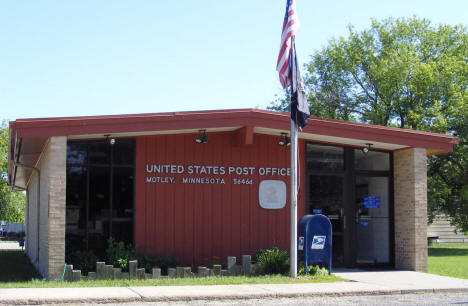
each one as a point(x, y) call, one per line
point(17, 272)
point(449, 260)
point(212, 280)
point(15, 267)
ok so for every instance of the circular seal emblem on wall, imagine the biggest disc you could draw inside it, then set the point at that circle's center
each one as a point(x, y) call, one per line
point(272, 194)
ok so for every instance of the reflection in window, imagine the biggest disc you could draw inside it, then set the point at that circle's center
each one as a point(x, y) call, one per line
point(99, 214)
point(326, 195)
point(122, 208)
point(100, 184)
point(373, 160)
point(76, 207)
point(77, 153)
point(373, 219)
point(320, 157)
point(124, 152)
point(99, 152)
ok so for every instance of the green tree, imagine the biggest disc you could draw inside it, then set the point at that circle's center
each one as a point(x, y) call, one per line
point(448, 178)
point(405, 73)
point(12, 203)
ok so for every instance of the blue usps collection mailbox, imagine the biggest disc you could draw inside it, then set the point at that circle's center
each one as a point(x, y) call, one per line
point(314, 241)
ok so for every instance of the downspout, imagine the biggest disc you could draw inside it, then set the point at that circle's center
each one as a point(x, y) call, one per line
point(18, 164)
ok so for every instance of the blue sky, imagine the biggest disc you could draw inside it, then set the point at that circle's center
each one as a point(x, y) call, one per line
point(74, 58)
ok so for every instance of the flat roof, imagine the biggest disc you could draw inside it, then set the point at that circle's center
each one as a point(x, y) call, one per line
point(28, 136)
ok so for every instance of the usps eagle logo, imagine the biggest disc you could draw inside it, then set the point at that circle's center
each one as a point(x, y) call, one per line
point(318, 242)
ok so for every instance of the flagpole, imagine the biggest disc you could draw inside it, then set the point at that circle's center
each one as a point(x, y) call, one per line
point(289, 75)
point(293, 194)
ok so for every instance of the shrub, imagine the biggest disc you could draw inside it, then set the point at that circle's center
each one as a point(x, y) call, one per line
point(312, 270)
point(272, 261)
point(260, 252)
point(14, 236)
point(216, 260)
point(148, 262)
point(165, 262)
point(83, 260)
point(118, 254)
point(123, 263)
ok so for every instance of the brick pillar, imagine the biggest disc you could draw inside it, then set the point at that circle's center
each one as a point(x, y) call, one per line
point(410, 184)
point(57, 209)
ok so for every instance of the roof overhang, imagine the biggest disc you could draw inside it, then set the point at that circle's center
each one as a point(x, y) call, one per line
point(29, 136)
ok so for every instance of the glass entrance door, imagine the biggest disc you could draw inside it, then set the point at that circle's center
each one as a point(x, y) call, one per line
point(326, 197)
point(353, 189)
point(372, 220)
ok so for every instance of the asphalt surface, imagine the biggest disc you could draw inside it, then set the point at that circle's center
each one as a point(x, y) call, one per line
point(403, 299)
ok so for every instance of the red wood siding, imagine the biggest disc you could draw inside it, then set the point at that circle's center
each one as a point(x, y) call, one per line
point(205, 222)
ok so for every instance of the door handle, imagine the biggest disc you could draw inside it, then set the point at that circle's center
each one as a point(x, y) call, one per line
point(344, 222)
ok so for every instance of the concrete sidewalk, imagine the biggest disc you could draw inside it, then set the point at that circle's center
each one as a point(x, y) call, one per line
point(362, 283)
point(9, 245)
point(405, 280)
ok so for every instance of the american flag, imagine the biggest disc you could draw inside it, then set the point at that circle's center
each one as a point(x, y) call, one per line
point(290, 26)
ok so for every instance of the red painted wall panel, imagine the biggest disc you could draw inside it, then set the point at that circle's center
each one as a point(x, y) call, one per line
point(202, 223)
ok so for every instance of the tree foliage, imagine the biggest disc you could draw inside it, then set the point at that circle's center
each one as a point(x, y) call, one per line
point(405, 73)
point(11, 202)
point(448, 178)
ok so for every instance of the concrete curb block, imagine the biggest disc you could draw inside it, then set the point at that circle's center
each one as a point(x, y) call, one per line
point(184, 298)
point(435, 290)
point(294, 295)
point(21, 296)
point(42, 300)
point(261, 295)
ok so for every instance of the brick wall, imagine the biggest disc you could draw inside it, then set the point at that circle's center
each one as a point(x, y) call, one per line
point(44, 212)
point(51, 209)
point(410, 187)
point(57, 206)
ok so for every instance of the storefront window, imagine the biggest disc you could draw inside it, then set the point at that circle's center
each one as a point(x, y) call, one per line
point(77, 153)
point(122, 205)
point(326, 197)
point(99, 210)
point(76, 206)
point(124, 152)
point(372, 160)
point(100, 184)
point(322, 157)
point(99, 152)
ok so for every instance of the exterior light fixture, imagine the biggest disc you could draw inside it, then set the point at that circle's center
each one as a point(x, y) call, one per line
point(367, 148)
point(201, 137)
point(110, 140)
point(284, 140)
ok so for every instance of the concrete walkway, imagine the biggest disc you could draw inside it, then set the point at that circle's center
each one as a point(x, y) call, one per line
point(404, 280)
point(9, 245)
point(362, 283)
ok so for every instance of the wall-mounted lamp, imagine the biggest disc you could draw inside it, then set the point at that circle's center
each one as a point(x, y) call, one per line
point(284, 140)
point(201, 137)
point(110, 140)
point(367, 148)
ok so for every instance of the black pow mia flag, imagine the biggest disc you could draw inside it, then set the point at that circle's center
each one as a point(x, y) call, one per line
point(299, 108)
